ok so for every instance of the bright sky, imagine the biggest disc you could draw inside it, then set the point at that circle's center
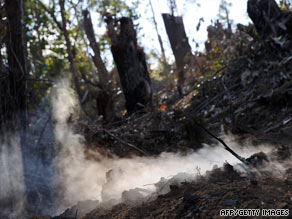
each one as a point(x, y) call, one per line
point(192, 11)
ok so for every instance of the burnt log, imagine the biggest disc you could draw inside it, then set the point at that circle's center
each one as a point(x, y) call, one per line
point(269, 19)
point(179, 43)
point(131, 64)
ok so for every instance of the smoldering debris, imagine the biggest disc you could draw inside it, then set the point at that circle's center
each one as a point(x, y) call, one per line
point(85, 183)
point(80, 209)
point(129, 180)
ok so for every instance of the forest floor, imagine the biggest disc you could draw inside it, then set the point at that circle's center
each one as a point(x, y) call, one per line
point(250, 99)
point(223, 189)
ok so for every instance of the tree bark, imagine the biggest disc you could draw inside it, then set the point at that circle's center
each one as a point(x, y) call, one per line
point(104, 99)
point(269, 19)
point(179, 43)
point(69, 50)
point(13, 111)
point(103, 73)
point(14, 85)
point(131, 64)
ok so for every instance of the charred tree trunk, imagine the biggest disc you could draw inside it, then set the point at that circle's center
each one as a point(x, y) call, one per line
point(104, 99)
point(13, 97)
point(131, 65)
point(179, 43)
point(69, 50)
point(269, 19)
point(13, 113)
point(103, 74)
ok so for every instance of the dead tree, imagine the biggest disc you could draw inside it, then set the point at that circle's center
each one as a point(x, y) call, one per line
point(268, 18)
point(130, 61)
point(179, 43)
point(104, 99)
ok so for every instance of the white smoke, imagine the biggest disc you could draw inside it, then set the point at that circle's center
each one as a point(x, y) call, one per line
point(78, 179)
point(12, 186)
point(107, 179)
point(74, 171)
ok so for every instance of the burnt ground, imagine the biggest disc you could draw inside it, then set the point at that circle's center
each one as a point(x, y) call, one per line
point(205, 198)
point(251, 98)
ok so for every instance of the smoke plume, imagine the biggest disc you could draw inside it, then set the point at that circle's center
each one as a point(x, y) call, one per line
point(12, 186)
point(107, 179)
point(52, 173)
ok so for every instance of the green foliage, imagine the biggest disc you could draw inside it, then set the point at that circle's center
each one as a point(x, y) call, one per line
point(285, 5)
point(118, 8)
point(45, 47)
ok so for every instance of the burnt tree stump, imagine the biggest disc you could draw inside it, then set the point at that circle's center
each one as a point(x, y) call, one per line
point(130, 61)
point(269, 19)
point(179, 43)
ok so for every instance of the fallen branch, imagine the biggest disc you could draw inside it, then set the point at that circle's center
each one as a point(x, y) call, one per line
point(126, 143)
point(242, 159)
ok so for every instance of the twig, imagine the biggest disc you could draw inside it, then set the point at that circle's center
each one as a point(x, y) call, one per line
point(124, 120)
point(126, 143)
point(242, 159)
point(95, 84)
point(224, 86)
point(202, 105)
point(220, 69)
point(51, 14)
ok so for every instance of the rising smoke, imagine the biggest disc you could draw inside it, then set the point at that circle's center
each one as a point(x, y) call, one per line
point(12, 189)
point(59, 176)
point(107, 179)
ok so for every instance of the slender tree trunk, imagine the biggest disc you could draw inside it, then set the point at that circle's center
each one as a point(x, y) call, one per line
point(1, 61)
point(158, 35)
point(69, 50)
point(103, 73)
point(179, 44)
point(104, 99)
point(131, 65)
